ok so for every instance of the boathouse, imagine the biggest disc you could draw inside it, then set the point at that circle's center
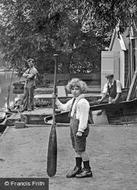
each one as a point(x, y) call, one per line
point(121, 56)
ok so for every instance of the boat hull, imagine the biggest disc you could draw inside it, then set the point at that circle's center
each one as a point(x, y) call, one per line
point(62, 118)
point(121, 113)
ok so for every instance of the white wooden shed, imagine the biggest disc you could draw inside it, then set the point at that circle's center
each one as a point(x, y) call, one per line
point(121, 57)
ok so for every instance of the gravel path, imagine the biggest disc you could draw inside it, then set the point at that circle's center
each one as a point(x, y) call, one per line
point(112, 151)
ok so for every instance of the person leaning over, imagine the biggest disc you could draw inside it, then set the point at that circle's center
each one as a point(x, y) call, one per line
point(78, 108)
point(30, 75)
point(113, 88)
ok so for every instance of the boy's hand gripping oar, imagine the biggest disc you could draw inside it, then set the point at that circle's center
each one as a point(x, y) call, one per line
point(52, 146)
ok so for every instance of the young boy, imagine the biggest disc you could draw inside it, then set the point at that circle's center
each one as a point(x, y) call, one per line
point(78, 108)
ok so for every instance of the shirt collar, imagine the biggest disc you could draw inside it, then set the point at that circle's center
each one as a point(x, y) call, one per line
point(111, 83)
point(80, 97)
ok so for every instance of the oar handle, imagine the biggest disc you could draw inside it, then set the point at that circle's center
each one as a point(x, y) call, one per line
point(54, 86)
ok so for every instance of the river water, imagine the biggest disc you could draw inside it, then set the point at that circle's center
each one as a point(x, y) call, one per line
point(6, 80)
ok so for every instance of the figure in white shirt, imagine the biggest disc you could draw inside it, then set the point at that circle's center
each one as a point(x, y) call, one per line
point(113, 88)
point(78, 108)
point(30, 75)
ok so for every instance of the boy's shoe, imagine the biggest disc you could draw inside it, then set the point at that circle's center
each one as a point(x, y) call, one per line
point(74, 172)
point(84, 173)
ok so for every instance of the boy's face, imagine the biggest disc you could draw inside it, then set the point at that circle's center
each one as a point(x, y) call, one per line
point(75, 91)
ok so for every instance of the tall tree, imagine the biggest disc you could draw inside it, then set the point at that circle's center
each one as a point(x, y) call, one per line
point(77, 29)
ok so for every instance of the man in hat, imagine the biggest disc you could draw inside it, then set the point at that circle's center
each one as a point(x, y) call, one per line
point(30, 75)
point(113, 88)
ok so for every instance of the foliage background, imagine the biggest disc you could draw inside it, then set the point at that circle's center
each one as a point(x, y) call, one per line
point(78, 30)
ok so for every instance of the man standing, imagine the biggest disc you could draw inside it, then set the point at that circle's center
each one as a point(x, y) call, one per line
point(30, 75)
point(113, 88)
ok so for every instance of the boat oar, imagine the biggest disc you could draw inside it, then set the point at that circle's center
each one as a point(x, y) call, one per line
point(52, 145)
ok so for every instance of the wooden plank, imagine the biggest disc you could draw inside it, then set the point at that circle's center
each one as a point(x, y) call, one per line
point(103, 106)
point(61, 91)
point(132, 89)
point(109, 64)
point(114, 106)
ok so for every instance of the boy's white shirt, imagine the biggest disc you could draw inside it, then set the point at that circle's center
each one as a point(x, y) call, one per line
point(82, 110)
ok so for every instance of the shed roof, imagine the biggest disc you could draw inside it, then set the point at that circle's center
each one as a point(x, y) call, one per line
point(125, 37)
point(118, 36)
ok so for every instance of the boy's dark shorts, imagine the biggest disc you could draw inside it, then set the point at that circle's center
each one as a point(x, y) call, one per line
point(78, 143)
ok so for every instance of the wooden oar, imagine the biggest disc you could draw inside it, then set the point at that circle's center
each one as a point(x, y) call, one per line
point(52, 146)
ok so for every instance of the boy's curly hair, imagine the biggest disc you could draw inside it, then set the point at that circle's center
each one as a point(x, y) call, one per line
point(77, 82)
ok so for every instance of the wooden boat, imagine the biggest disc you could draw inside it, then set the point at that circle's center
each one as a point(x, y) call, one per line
point(124, 112)
point(61, 118)
point(3, 120)
point(121, 113)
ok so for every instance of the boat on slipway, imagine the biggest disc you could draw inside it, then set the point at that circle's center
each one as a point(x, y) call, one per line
point(121, 113)
point(124, 112)
point(115, 114)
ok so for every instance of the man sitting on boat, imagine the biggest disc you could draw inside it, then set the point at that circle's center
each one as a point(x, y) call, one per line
point(112, 89)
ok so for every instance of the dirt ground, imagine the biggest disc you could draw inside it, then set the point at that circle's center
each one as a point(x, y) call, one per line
point(112, 151)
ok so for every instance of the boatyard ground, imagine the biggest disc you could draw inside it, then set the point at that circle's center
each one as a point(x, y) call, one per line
point(112, 151)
